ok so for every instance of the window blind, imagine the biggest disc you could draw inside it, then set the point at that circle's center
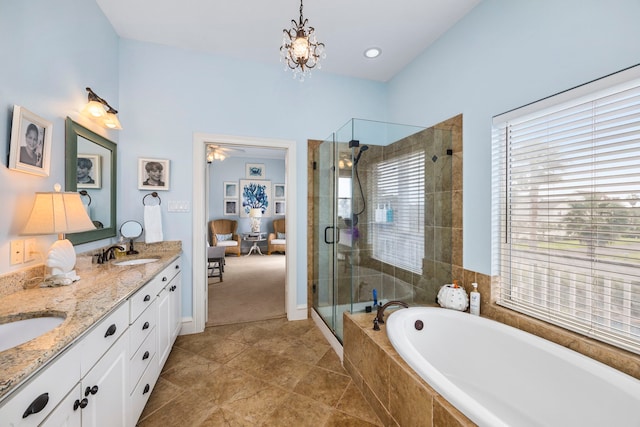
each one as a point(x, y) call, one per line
point(398, 237)
point(566, 220)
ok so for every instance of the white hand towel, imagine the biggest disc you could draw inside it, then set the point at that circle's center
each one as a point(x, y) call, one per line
point(152, 224)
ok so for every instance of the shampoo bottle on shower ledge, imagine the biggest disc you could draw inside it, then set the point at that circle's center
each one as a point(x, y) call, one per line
point(474, 300)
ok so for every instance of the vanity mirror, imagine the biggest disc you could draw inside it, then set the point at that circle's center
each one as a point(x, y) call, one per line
point(90, 167)
point(131, 230)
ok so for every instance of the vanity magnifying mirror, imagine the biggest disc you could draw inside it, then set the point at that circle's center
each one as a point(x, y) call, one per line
point(100, 187)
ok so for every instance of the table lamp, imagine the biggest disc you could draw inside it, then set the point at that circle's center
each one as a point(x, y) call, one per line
point(59, 213)
point(256, 216)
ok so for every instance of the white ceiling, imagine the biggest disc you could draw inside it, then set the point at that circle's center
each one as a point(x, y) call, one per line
point(252, 29)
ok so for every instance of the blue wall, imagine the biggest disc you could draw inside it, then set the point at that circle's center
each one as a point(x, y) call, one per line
point(502, 55)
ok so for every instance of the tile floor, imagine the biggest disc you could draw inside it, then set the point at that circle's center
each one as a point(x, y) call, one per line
point(269, 373)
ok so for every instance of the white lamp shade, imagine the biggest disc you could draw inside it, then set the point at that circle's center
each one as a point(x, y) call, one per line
point(111, 121)
point(57, 213)
point(255, 213)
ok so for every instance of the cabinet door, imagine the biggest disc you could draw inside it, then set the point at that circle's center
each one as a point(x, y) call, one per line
point(68, 412)
point(105, 387)
point(176, 306)
point(164, 326)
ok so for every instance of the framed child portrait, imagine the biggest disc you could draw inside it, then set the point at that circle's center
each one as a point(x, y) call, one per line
point(153, 174)
point(89, 171)
point(30, 149)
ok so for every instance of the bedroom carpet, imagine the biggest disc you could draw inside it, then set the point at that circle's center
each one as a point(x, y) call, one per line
point(253, 289)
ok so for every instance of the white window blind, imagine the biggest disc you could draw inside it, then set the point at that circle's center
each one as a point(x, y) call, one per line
point(566, 200)
point(398, 238)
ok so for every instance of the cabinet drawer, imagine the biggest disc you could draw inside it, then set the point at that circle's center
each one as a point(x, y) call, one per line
point(101, 337)
point(141, 393)
point(142, 358)
point(143, 299)
point(141, 328)
point(48, 387)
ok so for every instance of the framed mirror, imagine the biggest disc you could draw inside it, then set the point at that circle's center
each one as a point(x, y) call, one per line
point(90, 168)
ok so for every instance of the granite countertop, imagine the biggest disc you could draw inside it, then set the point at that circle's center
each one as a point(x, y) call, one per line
point(102, 288)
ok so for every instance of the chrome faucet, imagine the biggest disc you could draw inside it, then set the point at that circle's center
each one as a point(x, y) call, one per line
point(380, 313)
point(108, 254)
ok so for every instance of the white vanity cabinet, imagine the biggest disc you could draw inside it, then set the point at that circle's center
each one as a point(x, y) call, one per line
point(106, 376)
point(169, 312)
point(155, 316)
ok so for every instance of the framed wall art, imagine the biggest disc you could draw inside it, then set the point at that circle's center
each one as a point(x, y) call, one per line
point(30, 149)
point(231, 207)
point(255, 171)
point(153, 174)
point(279, 191)
point(280, 207)
point(89, 171)
point(230, 190)
point(255, 194)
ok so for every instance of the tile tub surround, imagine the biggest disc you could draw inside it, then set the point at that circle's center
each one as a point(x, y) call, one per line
point(395, 392)
point(83, 303)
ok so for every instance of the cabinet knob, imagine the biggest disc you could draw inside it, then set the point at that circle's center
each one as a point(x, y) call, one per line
point(177, 266)
point(37, 405)
point(80, 404)
point(164, 279)
point(145, 326)
point(146, 389)
point(110, 331)
point(91, 390)
point(147, 298)
point(145, 356)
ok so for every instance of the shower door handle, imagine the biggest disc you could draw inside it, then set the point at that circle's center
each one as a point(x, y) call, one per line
point(326, 240)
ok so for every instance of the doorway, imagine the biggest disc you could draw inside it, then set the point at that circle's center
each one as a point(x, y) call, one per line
point(294, 310)
point(250, 286)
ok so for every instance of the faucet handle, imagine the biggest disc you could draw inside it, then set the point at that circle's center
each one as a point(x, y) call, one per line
point(376, 326)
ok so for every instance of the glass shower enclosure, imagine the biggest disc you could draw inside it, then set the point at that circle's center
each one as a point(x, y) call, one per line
point(376, 235)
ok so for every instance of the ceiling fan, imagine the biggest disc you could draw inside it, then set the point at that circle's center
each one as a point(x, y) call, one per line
point(219, 152)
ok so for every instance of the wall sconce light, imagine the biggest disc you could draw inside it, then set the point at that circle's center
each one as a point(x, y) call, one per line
point(99, 109)
point(59, 213)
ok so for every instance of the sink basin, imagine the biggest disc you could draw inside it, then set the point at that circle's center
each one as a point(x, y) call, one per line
point(135, 261)
point(13, 334)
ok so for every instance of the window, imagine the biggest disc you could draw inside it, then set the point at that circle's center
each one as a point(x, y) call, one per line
point(398, 211)
point(566, 198)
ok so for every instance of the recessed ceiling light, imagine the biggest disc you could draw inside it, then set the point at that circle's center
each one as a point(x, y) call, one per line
point(372, 52)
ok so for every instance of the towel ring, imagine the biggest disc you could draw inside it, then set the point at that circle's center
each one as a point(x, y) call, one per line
point(84, 193)
point(155, 195)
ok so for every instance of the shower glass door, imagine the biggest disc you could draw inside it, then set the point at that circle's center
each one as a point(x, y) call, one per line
point(332, 211)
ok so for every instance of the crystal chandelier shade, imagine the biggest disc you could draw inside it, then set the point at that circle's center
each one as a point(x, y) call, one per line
point(300, 51)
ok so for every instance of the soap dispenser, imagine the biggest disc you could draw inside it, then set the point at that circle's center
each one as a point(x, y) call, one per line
point(474, 300)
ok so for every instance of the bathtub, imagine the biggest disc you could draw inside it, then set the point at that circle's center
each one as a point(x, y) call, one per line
point(501, 376)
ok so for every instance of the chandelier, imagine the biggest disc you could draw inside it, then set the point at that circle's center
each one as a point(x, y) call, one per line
point(300, 50)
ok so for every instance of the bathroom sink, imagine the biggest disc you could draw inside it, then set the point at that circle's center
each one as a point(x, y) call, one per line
point(18, 332)
point(135, 261)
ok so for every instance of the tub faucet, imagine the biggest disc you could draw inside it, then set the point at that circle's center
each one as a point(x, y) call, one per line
point(380, 314)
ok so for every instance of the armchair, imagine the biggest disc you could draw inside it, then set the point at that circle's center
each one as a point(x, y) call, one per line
point(225, 226)
point(274, 243)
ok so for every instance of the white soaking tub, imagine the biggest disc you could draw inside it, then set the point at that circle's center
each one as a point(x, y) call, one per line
point(501, 376)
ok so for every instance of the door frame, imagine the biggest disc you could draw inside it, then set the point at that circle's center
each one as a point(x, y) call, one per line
point(199, 238)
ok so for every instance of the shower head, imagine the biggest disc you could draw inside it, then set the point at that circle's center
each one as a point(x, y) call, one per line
point(357, 159)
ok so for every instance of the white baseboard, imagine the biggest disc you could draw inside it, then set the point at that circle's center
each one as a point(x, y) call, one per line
point(333, 341)
point(300, 313)
point(188, 326)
